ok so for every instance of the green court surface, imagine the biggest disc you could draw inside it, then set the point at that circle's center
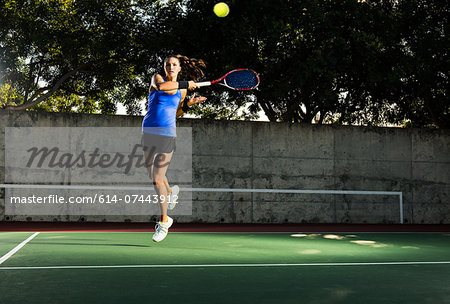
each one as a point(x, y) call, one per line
point(115, 267)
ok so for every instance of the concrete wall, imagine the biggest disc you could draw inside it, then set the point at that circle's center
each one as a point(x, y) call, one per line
point(235, 154)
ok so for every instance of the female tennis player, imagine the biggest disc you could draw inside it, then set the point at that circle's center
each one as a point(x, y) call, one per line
point(166, 102)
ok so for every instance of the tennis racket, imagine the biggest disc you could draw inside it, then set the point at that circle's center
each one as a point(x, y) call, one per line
point(239, 79)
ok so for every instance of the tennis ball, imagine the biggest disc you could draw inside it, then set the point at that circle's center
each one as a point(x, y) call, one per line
point(221, 9)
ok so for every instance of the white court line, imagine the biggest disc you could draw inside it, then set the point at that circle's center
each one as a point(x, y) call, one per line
point(224, 265)
point(17, 248)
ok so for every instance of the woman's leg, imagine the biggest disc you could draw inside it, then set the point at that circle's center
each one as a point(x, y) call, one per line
point(148, 158)
point(161, 183)
point(149, 163)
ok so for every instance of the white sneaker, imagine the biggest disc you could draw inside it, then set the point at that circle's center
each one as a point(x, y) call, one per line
point(173, 201)
point(162, 229)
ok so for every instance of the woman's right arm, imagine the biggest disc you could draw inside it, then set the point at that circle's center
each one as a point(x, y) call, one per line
point(159, 84)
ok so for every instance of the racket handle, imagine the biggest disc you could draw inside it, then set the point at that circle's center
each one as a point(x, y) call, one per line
point(203, 84)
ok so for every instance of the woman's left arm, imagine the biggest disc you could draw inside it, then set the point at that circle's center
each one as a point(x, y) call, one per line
point(192, 101)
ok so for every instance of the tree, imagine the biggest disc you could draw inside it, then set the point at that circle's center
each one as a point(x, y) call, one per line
point(329, 61)
point(66, 53)
point(425, 99)
point(348, 62)
point(309, 53)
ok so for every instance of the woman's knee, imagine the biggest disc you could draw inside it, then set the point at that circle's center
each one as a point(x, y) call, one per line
point(159, 179)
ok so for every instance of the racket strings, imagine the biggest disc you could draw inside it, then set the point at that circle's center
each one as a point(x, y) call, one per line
point(242, 80)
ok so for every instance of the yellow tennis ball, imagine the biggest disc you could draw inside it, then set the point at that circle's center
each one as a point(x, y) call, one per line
point(221, 9)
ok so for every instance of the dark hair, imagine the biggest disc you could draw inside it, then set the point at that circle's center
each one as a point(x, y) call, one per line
point(191, 68)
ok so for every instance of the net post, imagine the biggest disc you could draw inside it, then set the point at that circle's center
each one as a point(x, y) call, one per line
point(401, 207)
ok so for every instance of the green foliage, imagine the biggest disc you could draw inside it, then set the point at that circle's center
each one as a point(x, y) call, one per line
point(223, 107)
point(53, 50)
point(424, 99)
point(367, 62)
point(346, 61)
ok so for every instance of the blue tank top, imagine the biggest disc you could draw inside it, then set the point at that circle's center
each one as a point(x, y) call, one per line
point(161, 113)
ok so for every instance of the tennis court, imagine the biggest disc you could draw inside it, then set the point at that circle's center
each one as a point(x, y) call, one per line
point(200, 267)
